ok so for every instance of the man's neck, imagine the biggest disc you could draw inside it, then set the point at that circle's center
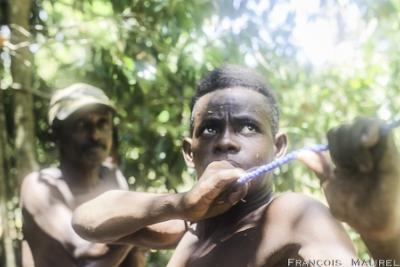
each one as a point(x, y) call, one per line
point(79, 176)
point(233, 216)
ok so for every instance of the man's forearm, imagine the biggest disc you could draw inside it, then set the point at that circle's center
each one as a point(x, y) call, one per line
point(165, 235)
point(117, 214)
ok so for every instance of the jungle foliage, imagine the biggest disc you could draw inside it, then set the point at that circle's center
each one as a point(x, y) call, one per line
point(147, 55)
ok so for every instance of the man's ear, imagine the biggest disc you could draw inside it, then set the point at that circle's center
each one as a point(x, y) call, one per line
point(187, 152)
point(281, 144)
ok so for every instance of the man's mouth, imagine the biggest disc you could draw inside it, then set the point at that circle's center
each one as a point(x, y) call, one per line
point(238, 164)
point(231, 161)
point(94, 148)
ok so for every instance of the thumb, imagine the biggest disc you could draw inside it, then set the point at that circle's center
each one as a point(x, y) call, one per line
point(319, 163)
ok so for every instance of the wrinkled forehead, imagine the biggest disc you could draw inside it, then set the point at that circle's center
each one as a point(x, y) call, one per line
point(232, 101)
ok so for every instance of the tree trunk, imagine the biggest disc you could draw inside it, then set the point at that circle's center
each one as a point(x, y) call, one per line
point(10, 260)
point(18, 14)
point(21, 71)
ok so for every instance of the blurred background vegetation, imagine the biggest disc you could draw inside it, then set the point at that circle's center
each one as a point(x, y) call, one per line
point(328, 60)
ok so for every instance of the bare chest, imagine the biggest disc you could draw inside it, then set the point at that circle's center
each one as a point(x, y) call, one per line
point(247, 248)
point(81, 195)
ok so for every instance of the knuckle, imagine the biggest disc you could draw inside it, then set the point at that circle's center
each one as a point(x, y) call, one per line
point(214, 164)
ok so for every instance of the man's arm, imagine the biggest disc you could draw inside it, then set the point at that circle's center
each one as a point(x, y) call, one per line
point(118, 216)
point(184, 250)
point(363, 188)
point(164, 235)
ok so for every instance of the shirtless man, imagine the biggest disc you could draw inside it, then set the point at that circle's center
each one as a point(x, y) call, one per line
point(234, 127)
point(81, 120)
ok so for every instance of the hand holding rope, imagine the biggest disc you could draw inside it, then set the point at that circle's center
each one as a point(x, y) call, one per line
point(294, 154)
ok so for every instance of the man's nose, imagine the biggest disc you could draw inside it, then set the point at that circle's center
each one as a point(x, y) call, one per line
point(227, 143)
point(95, 133)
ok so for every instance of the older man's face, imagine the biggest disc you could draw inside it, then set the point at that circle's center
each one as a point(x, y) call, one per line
point(86, 136)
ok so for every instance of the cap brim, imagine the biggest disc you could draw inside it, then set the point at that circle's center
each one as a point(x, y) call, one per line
point(64, 112)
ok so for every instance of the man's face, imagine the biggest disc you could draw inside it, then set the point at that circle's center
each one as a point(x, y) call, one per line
point(231, 124)
point(86, 136)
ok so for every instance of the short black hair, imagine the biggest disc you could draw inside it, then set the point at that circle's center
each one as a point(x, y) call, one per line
point(229, 76)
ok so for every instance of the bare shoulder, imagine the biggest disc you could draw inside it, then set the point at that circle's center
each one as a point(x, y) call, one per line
point(307, 220)
point(295, 206)
point(31, 186)
point(301, 215)
point(295, 202)
point(36, 192)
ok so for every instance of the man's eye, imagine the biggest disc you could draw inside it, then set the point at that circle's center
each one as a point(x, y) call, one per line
point(80, 125)
point(248, 128)
point(209, 131)
point(103, 123)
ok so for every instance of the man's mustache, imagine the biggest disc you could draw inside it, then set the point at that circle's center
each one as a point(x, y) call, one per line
point(91, 145)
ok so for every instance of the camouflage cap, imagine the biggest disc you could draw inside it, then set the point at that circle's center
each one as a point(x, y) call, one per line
point(72, 98)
